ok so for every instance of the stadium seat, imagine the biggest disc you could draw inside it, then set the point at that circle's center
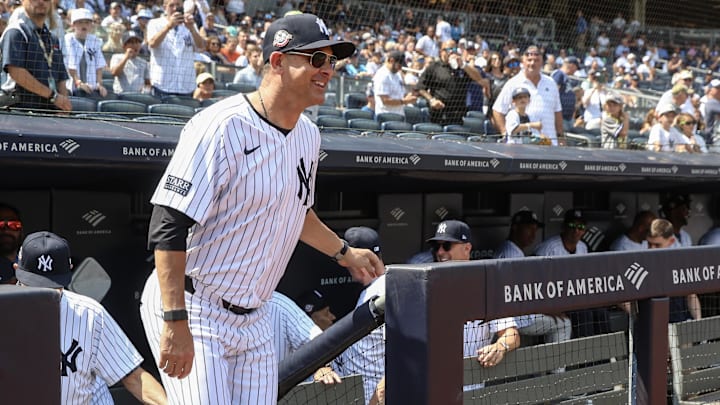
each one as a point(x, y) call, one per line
point(330, 99)
point(325, 110)
point(476, 138)
point(454, 128)
point(412, 135)
point(188, 101)
point(101, 116)
point(331, 121)
point(218, 93)
point(364, 123)
point(145, 98)
point(475, 125)
point(413, 114)
point(173, 110)
point(475, 114)
point(427, 127)
point(358, 113)
point(449, 137)
point(384, 117)
point(208, 102)
point(421, 102)
point(164, 119)
point(122, 107)
point(240, 87)
point(396, 126)
point(355, 100)
point(83, 104)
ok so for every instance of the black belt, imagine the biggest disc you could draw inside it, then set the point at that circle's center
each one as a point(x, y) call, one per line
point(189, 287)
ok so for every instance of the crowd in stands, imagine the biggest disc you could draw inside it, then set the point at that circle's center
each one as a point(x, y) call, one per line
point(605, 82)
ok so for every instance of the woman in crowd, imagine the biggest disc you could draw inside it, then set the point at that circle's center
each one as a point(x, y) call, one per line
point(114, 42)
point(685, 125)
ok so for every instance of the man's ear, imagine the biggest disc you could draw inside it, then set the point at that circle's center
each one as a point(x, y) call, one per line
point(276, 60)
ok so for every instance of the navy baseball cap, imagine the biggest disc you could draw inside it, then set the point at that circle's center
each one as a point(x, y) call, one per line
point(130, 34)
point(300, 32)
point(6, 270)
point(526, 217)
point(452, 231)
point(574, 215)
point(44, 261)
point(573, 61)
point(398, 57)
point(364, 238)
point(312, 301)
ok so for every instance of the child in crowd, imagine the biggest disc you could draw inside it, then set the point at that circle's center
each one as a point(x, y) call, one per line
point(517, 122)
point(205, 86)
point(132, 73)
point(83, 57)
point(661, 138)
point(614, 123)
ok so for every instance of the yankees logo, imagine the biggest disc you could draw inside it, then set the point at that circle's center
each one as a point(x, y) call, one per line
point(90, 53)
point(323, 28)
point(442, 228)
point(45, 263)
point(304, 176)
point(72, 354)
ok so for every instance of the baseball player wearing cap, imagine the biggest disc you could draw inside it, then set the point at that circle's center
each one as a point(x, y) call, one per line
point(676, 209)
point(132, 73)
point(242, 177)
point(92, 344)
point(83, 56)
point(389, 88)
point(569, 241)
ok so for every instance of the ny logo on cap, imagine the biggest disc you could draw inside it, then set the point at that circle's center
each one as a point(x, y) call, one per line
point(45, 263)
point(323, 28)
point(442, 228)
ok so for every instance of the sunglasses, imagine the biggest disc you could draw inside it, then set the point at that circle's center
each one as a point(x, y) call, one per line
point(317, 58)
point(450, 49)
point(574, 225)
point(688, 123)
point(215, 43)
point(11, 225)
point(513, 65)
point(445, 245)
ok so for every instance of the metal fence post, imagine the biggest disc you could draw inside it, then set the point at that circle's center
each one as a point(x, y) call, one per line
point(652, 349)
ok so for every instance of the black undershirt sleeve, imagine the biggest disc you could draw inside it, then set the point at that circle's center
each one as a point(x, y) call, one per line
point(168, 229)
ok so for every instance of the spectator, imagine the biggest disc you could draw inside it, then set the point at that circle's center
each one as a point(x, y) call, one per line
point(114, 42)
point(711, 237)
point(173, 39)
point(603, 44)
point(544, 97)
point(661, 237)
point(517, 122)
point(115, 16)
point(496, 73)
point(140, 26)
point(34, 74)
point(84, 58)
point(676, 209)
point(679, 96)
point(444, 84)
point(375, 62)
point(565, 83)
point(205, 87)
point(426, 45)
point(592, 57)
point(711, 110)
point(85, 327)
point(252, 73)
point(131, 72)
point(443, 30)
point(581, 29)
point(614, 124)
point(674, 65)
point(635, 237)
point(229, 49)
point(594, 99)
point(685, 125)
point(648, 123)
point(661, 138)
point(646, 70)
point(409, 24)
point(316, 307)
point(388, 86)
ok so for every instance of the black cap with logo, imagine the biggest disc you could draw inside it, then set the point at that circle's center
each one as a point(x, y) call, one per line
point(312, 301)
point(526, 217)
point(363, 237)
point(44, 261)
point(301, 32)
point(452, 231)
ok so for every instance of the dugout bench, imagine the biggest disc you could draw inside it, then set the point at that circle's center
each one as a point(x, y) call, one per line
point(694, 348)
point(596, 369)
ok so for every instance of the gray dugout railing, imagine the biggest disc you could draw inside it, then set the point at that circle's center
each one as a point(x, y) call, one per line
point(428, 304)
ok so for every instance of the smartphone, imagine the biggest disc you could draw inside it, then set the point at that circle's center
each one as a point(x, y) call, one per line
point(180, 10)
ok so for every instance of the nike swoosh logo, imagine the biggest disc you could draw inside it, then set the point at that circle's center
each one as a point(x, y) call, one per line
point(249, 151)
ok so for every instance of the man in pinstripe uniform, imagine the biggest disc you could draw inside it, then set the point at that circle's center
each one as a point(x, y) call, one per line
point(242, 180)
point(95, 351)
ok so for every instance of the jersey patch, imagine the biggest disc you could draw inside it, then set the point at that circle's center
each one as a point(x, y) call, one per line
point(282, 38)
point(177, 185)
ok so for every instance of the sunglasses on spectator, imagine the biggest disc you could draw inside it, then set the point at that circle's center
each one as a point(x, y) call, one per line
point(318, 58)
point(575, 225)
point(450, 49)
point(513, 65)
point(215, 43)
point(11, 225)
point(445, 245)
point(687, 123)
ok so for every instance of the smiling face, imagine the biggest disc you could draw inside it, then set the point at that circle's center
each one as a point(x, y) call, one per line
point(302, 80)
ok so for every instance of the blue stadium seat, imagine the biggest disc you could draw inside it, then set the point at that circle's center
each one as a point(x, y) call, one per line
point(412, 135)
point(449, 137)
point(160, 119)
point(325, 110)
point(475, 114)
point(330, 99)
point(218, 93)
point(364, 123)
point(331, 121)
point(355, 100)
point(384, 117)
point(181, 100)
point(83, 104)
point(396, 126)
point(240, 87)
point(475, 125)
point(427, 127)
point(173, 110)
point(145, 98)
point(358, 113)
point(122, 107)
point(413, 114)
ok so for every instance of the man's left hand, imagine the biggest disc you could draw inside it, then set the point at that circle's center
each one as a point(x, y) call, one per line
point(363, 265)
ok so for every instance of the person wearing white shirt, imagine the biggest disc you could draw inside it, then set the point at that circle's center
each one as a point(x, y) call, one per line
point(443, 30)
point(634, 238)
point(83, 57)
point(544, 98)
point(427, 45)
point(173, 40)
point(661, 138)
point(676, 209)
point(115, 15)
point(388, 86)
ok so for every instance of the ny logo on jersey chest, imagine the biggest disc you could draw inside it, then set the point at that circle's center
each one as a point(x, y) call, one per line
point(304, 178)
point(69, 357)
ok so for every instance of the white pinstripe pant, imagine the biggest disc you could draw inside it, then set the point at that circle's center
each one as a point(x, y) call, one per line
point(234, 355)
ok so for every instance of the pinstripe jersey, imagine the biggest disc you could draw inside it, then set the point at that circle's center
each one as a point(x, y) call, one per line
point(508, 249)
point(291, 326)
point(93, 348)
point(248, 187)
point(554, 247)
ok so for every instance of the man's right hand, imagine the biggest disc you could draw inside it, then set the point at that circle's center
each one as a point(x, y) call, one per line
point(176, 19)
point(62, 102)
point(176, 349)
point(130, 53)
